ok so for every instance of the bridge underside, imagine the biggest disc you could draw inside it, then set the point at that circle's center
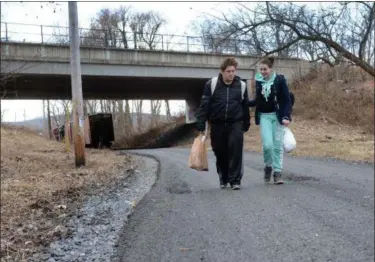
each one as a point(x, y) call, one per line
point(102, 87)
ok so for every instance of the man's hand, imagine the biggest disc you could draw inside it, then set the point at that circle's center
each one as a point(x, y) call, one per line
point(285, 122)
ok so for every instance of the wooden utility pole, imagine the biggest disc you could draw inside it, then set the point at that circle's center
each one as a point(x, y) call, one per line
point(75, 67)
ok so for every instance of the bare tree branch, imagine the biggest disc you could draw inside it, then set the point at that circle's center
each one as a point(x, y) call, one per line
point(367, 33)
point(332, 33)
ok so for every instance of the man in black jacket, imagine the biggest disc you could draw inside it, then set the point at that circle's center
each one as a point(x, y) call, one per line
point(225, 105)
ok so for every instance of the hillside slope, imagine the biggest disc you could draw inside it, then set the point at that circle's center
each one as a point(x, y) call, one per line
point(40, 188)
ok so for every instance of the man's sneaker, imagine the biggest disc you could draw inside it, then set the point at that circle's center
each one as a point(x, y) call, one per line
point(223, 186)
point(267, 173)
point(235, 187)
point(277, 178)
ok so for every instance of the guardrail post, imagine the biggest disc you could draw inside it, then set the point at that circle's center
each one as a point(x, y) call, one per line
point(187, 43)
point(162, 43)
point(41, 33)
point(105, 39)
point(135, 40)
point(6, 32)
point(80, 36)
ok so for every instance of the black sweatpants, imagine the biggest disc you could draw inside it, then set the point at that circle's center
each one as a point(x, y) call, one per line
point(227, 144)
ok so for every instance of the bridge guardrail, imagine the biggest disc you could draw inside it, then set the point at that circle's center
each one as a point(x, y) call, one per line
point(48, 34)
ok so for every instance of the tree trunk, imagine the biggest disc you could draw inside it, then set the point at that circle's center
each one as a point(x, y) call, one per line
point(121, 117)
point(128, 117)
point(89, 107)
point(139, 113)
point(155, 112)
point(49, 120)
point(169, 116)
point(115, 114)
point(44, 118)
point(345, 53)
point(102, 107)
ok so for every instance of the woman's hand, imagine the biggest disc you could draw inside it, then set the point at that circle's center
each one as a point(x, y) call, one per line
point(285, 122)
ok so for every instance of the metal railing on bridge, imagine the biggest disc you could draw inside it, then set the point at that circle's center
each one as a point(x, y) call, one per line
point(47, 34)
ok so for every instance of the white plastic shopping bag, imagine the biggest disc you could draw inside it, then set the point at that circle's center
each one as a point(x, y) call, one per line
point(290, 142)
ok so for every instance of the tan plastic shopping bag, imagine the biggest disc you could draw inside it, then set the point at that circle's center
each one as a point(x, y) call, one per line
point(198, 155)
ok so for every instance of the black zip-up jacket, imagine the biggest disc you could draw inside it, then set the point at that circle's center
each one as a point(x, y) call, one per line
point(283, 105)
point(225, 105)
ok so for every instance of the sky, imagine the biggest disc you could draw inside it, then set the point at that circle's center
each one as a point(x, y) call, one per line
point(179, 16)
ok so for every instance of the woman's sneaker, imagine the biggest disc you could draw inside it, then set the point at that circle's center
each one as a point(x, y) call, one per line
point(267, 173)
point(277, 178)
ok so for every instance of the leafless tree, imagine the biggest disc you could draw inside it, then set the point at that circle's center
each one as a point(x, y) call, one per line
point(60, 35)
point(128, 117)
point(215, 36)
point(138, 104)
point(168, 110)
point(92, 106)
point(49, 120)
point(336, 33)
point(155, 111)
point(56, 113)
point(219, 36)
point(145, 27)
point(110, 29)
point(103, 30)
point(7, 76)
point(3, 111)
point(124, 15)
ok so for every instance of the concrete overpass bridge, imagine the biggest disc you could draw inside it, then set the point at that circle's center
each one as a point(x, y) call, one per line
point(42, 71)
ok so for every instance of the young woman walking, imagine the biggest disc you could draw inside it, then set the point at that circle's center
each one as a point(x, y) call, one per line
point(273, 108)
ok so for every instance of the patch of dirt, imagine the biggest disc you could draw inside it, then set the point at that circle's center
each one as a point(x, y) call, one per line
point(41, 188)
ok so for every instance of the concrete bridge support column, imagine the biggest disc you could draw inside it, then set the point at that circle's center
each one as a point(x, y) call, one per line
point(191, 105)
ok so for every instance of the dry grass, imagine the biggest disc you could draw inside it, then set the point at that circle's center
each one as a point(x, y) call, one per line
point(347, 101)
point(40, 186)
point(320, 139)
point(331, 118)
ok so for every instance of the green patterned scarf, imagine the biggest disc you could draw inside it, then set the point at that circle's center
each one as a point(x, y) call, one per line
point(266, 84)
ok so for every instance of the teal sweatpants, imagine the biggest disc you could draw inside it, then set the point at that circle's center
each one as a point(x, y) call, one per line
point(272, 134)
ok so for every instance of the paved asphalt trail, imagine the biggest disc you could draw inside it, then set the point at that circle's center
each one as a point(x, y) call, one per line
point(324, 212)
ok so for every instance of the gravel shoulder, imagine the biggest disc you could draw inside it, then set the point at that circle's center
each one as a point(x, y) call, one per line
point(95, 227)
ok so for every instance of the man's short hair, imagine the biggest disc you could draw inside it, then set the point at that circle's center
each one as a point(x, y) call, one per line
point(230, 61)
